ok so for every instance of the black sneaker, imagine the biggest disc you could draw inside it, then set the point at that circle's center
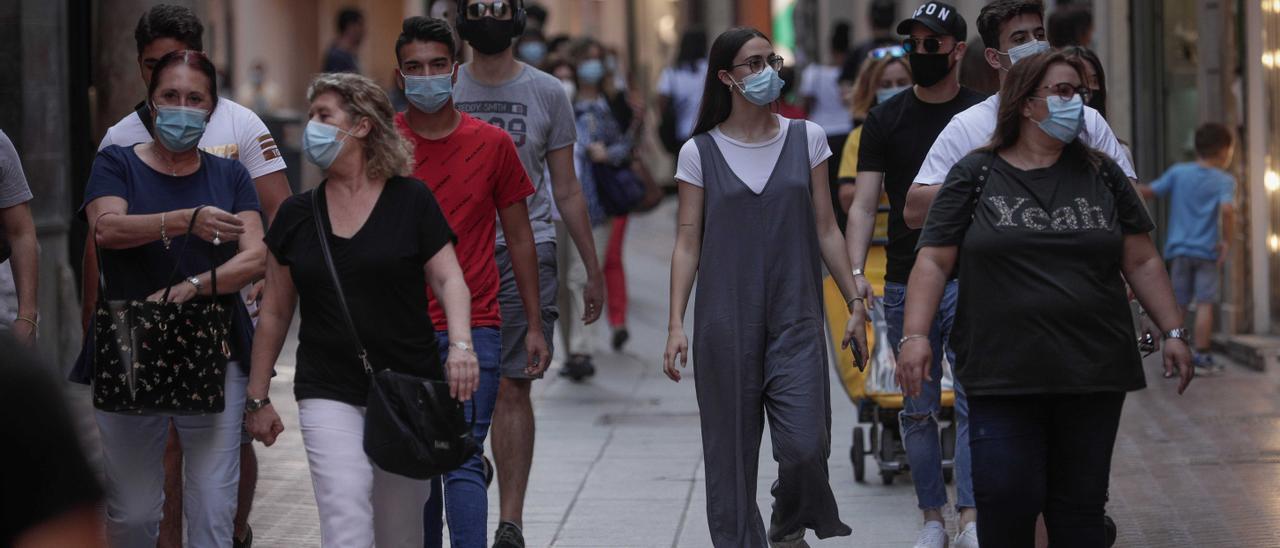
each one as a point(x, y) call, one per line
point(620, 338)
point(509, 535)
point(246, 542)
point(578, 367)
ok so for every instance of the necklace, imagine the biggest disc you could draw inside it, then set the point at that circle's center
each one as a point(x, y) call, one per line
point(173, 166)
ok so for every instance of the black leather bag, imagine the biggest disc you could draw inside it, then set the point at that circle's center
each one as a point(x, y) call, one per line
point(160, 357)
point(412, 426)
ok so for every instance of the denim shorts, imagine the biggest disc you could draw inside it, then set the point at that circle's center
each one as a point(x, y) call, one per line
point(1194, 280)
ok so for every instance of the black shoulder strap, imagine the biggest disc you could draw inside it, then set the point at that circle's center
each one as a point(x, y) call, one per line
point(976, 194)
point(144, 113)
point(323, 235)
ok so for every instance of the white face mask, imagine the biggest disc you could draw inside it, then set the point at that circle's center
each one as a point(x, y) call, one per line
point(1024, 51)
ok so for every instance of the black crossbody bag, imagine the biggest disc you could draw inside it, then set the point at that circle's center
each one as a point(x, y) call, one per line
point(412, 426)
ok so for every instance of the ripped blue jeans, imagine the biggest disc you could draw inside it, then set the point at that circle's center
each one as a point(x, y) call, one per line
point(919, 417)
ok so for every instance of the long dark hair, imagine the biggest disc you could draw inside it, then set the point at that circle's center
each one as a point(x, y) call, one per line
point(1087, 55)
point(1019, 86)
point(716, 100)
point(693, 47)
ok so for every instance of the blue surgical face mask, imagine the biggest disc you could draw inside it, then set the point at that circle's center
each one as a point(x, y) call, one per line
point(1025, 50)
point(591, 71)
point(320, 143)
point(532, 52)
point(761, 88)
point(179, 129)
point(884, 94)
point(1066, 117)
point(428, 93)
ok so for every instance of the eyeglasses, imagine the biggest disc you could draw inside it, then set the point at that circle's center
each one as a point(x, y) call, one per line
point(1067, 91)
point(929, 45)
point(888, 51)
point(498, 9)
point(756, 63)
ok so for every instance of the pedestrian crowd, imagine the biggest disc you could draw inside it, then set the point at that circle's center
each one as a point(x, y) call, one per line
point(450, 238)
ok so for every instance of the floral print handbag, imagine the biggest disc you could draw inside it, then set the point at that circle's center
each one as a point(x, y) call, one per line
point(160, 357)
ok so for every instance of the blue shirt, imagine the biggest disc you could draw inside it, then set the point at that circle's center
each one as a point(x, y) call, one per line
point(136, 273)
point(1196, 194)
point(596, 124)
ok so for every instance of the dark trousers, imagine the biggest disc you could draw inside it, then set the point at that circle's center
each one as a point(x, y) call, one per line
point(1047, 454)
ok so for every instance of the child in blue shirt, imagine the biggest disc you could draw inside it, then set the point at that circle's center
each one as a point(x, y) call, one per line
point(1201, 194)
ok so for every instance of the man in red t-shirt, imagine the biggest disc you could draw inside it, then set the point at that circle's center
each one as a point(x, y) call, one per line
point(474, 171)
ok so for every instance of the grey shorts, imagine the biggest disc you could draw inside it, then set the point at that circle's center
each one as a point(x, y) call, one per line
point(514, 325)
point(1194, 280)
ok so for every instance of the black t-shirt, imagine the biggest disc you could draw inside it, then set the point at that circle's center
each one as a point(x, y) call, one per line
point(381, 268)
point(1042, 305)
point(896, 137)
point(45, 473)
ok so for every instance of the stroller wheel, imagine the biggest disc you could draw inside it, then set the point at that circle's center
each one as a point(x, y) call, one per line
point(886, 477)
point(1111, 532)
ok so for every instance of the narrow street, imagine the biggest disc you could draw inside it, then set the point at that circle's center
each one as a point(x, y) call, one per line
point(618, 459)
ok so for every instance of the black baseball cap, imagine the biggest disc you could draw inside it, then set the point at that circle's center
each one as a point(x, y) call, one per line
point(939, 17)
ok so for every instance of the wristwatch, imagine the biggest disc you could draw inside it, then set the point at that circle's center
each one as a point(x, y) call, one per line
point(196, 282)
point(1176, 333)
point(463, 346)
point(252, 404)
point(858, 272)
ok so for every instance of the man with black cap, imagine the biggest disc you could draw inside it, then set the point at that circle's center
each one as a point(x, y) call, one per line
point(533, 108)
point(895, 139)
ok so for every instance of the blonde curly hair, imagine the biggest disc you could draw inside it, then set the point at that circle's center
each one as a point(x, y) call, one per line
point(386, 152)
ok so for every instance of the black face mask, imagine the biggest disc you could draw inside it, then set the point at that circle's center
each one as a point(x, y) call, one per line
point(488, 35)
point(928, 69)
point(1098, 101)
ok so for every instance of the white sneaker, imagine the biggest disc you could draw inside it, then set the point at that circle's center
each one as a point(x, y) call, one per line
point(933, 535)
point(968, 538)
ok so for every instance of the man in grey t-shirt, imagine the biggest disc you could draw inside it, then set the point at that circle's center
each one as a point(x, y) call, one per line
point(19, 246)
point(533, 108)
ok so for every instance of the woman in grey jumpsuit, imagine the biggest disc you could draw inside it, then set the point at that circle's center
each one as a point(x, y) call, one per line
point(759, 342)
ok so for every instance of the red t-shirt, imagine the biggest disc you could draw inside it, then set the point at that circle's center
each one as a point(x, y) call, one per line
point(474, 173)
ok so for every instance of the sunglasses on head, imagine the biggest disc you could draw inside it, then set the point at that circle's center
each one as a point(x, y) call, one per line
point(498, 10)
point(921, 45)
point(888, 51)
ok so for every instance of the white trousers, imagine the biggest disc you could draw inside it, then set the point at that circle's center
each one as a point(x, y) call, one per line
point(579, 339)
point(360, 505)
point(133, 462)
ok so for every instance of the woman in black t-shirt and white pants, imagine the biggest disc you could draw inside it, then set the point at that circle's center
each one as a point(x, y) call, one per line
point(389, 241)
point(1046, 231)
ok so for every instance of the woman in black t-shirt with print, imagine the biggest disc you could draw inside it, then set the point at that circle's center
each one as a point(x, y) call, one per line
point(389, 242)
point(1045, 231)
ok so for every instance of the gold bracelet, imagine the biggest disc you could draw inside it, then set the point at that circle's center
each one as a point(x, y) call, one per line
point(164, 235)
point(28, 320)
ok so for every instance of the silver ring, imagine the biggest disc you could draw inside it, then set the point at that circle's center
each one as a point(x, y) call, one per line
point(216, 239)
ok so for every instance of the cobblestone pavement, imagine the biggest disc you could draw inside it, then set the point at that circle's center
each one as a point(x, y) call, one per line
point(618, 458)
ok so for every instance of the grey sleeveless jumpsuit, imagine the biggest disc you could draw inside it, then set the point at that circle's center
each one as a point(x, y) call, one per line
point(759, 345)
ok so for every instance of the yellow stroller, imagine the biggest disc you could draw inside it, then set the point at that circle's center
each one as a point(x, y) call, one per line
point(874, 392)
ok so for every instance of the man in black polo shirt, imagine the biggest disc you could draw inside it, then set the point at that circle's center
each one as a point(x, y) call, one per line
point(895, 139)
